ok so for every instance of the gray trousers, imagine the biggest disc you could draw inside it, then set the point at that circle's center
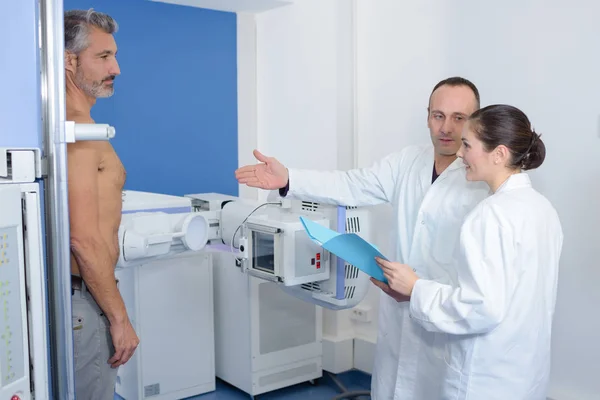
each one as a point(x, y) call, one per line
point(94, 377)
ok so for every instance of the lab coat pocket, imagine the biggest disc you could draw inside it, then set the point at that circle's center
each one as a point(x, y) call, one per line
point(456, 352)
point(436, 343)
point(443, 255)
point(446, 242)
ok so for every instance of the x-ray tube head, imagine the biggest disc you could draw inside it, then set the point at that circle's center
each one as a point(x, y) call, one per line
point(233, 216)
point(276, 246)
point(269, 242)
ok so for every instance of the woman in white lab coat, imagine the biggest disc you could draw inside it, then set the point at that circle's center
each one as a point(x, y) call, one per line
point(494, 317)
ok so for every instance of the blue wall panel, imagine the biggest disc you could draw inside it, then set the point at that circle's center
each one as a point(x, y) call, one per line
point(20, 101)
point(175, 103)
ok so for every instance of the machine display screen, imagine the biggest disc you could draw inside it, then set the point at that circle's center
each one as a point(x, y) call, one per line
point(263, 252)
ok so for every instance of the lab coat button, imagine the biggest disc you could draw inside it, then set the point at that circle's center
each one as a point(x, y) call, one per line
point(422, 222)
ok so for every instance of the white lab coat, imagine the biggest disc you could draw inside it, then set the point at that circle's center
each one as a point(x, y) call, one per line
point(426, 232)
point(494, 319)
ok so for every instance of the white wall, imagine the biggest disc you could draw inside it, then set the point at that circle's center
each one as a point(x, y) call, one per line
point(302, 84)
point(297, 84)
point(540, 56)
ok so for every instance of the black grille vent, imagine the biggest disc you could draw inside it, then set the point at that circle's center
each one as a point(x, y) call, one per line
point(349, 292)
point(310, 206)
point(311, 287)
point(351, 272)
point(352, 225)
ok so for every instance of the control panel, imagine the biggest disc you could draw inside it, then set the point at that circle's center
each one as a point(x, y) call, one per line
point(11, 329)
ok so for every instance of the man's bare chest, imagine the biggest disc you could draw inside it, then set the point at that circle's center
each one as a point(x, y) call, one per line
point(111, 172)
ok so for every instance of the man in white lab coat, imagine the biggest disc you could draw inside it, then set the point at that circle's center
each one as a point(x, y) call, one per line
point(427, 188)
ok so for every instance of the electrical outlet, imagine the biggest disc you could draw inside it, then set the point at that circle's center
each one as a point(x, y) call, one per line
point(361, 314)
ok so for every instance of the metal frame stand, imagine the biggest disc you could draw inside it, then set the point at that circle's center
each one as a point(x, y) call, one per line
point(56, 195)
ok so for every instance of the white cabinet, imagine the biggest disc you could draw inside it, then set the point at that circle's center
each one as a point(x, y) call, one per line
point(23, 323)
point(265, 339)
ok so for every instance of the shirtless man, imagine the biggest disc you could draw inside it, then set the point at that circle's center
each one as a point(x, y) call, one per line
point(103, 336)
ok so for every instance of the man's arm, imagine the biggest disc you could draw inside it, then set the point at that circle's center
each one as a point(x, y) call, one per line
point(357, 187)
point(90, 249)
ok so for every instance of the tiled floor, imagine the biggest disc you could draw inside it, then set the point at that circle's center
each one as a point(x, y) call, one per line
point(324, 389)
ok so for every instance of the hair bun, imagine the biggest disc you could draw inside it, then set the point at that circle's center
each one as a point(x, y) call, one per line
point(535, 154)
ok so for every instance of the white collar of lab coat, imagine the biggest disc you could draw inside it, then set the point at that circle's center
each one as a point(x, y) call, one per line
point(425, 175)
point(456, 164)
point(515, 181)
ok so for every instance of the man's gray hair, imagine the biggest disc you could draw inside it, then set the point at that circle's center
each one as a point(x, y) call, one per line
point(77, 27)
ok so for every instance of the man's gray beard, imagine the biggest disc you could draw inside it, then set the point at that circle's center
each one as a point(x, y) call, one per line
point(93, 89)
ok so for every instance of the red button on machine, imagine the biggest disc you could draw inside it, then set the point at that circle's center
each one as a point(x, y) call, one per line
point(318, 264)
point(15, 397)
point(318, 256)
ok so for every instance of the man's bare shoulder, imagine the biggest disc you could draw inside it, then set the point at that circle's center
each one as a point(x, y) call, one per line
point(83, 155)
point(90, 148)
point(88, 153)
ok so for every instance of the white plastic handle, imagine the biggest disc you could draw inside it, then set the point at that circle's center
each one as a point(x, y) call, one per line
point(159, 239)
point(79, 132)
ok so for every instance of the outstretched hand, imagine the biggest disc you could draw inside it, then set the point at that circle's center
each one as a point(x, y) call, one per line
point(270, 174)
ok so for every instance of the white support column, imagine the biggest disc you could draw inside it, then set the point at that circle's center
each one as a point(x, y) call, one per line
point(247, 95)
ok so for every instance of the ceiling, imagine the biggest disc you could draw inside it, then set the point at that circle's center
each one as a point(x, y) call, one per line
point(231, 5)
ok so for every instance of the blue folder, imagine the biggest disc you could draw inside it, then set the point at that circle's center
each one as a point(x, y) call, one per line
point(348, 246)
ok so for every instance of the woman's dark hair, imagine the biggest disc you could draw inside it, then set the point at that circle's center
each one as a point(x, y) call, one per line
point(501, 124)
